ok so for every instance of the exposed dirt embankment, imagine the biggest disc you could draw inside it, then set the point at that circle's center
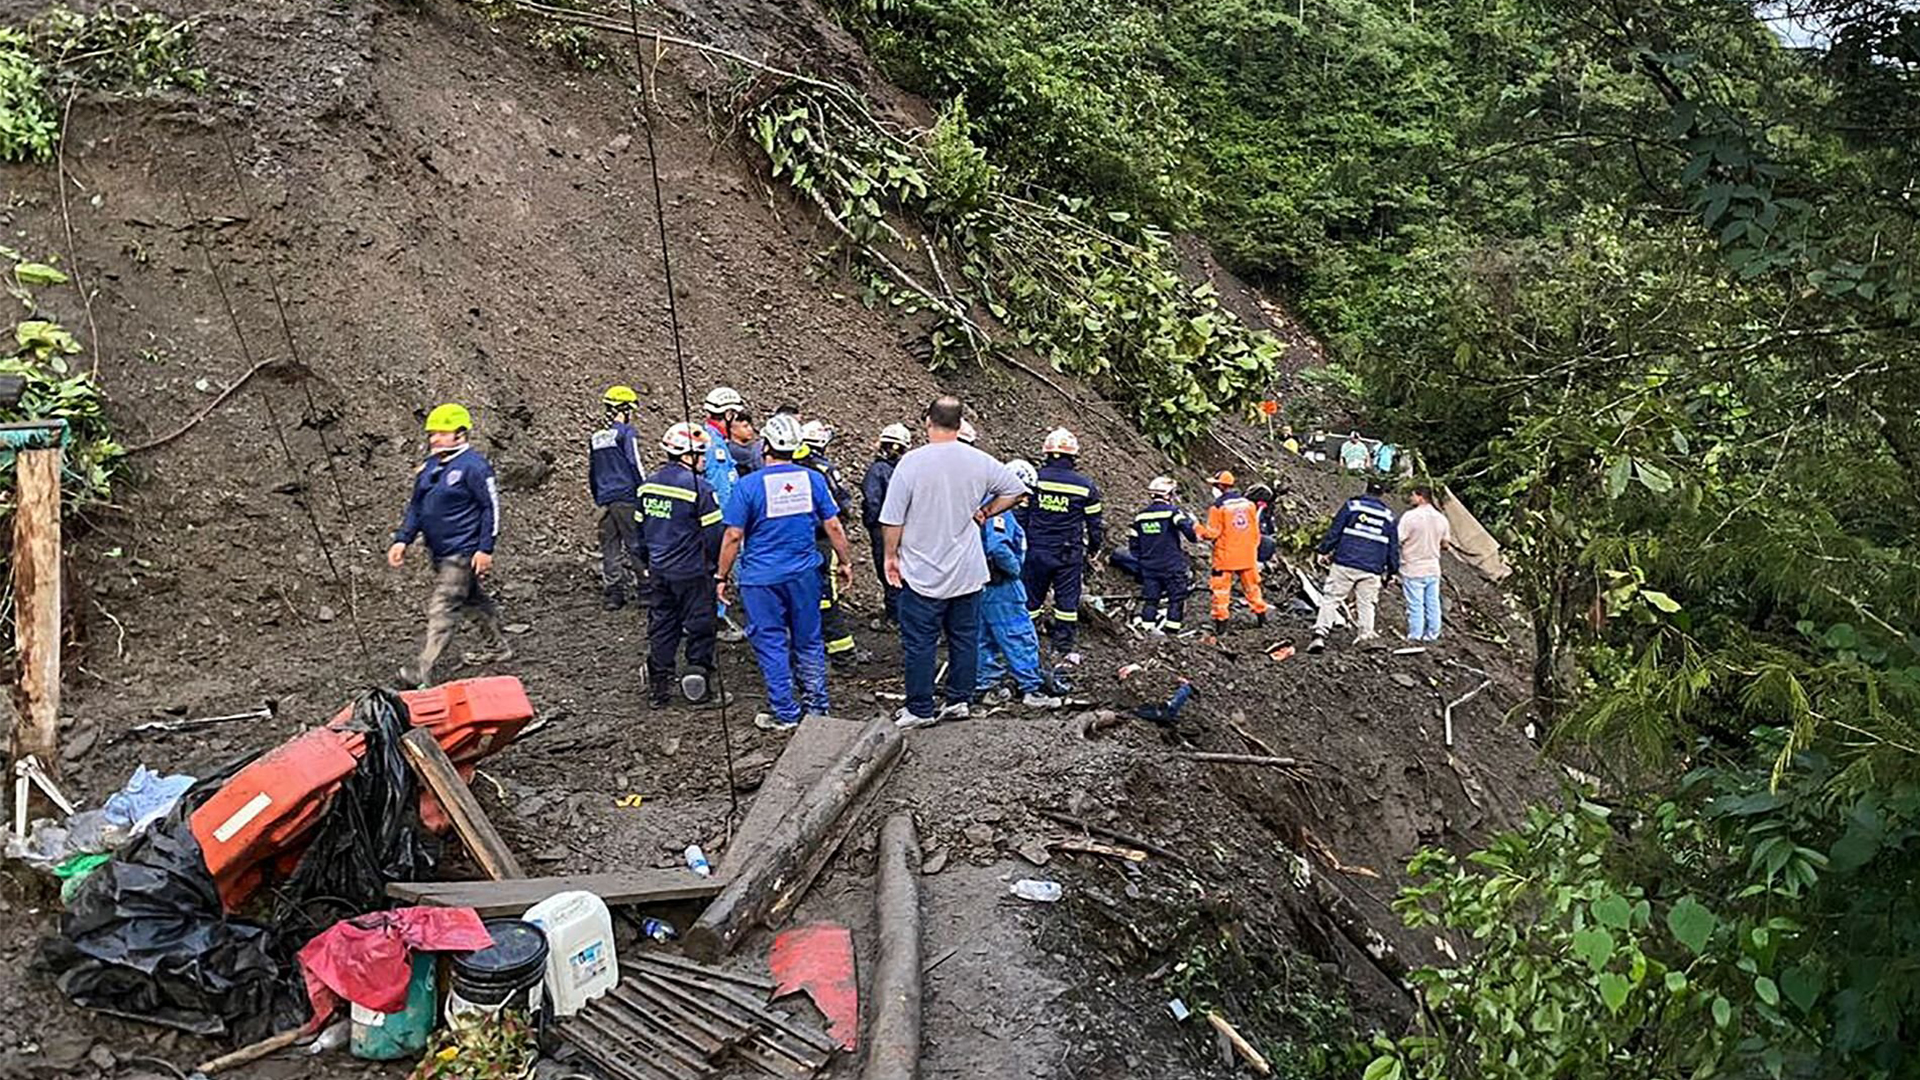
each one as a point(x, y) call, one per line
point(451, 216)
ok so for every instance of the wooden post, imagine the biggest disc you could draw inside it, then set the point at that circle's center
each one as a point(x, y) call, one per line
point(483, 841)
point(893, 1037)
point(36, 605)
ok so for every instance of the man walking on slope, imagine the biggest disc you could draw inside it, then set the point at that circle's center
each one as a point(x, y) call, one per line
point(1008, 642)
point(894, 440)
point(1366, 551)
point(456, 505)
point(1233, 524)
point(770, 524)
point(1155, 544)
point(940, 495)
point(1064, 504)
point(1424, 532)
point(680, 527)
point(613, 475)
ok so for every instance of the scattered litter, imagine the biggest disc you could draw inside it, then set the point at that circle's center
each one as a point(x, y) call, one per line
point(1179, 1010)
point(29, 777)
point(333, 1038)
point(74, 869)
point(582, 960)
point(1040, 892)
point(1130, 670)
point(697, 861)
point(1410, 650)
point(264, 712)
point(630, 801)
point(659, 930)
point(368, 960)
point(1279, 651)
point(1169, 713)
point(146, 798)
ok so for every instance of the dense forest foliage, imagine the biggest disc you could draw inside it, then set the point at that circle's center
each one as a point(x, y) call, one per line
point(1641, 278)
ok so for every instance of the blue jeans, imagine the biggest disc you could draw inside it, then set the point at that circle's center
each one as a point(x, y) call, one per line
point(1423, 607)
point(922, 621)
point(783, 624)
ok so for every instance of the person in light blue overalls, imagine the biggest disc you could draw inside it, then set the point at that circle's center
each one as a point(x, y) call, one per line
point(1009, 644)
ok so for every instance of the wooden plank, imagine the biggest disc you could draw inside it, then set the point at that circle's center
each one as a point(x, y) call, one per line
point(517, 895)
point(817, 744)
point(36, 600)
point(893, 1033)
point(476, 832)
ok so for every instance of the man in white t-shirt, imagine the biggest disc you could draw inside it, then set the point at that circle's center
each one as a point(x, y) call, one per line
point(1424, 534)
point(939, 495)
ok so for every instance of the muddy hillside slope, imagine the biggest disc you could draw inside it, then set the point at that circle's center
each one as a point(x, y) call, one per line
point(449, 215)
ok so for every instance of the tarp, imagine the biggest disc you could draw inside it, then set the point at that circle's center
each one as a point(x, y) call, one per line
point(1470, 535)
point(368, 959)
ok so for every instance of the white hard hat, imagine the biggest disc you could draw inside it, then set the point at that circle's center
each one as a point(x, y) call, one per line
point(684, 438)
point(967, 434)
point(782, 433)
point(816, 434)
point(1060, 441)
point(1024, 471)
point(1162, 485)
point(724, 398)
point(896, 435)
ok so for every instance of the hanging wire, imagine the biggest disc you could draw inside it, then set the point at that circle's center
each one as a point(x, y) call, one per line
point(273, 418)
point(679, 353)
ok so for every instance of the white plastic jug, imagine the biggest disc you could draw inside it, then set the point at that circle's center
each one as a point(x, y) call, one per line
point(580, 961)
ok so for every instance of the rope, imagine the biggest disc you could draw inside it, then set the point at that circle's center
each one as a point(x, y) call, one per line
point(679, 353)
point(273, 418)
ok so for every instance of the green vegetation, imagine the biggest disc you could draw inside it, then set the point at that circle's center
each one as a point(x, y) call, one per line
point(118, 49)
point(1640, 279)
point(40, 352)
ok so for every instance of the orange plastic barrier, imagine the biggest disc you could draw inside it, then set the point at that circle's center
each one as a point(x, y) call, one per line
point(270, 805)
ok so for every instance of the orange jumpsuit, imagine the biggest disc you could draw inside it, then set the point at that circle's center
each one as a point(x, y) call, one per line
point(1233, 524)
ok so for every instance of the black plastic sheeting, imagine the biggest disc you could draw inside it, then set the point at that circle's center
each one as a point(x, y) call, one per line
point(146, 937)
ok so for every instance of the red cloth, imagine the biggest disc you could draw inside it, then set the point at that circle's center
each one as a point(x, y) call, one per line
point(369, 958)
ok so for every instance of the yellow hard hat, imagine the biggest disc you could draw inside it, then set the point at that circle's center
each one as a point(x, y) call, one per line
point(449, 417)
point(617, 396)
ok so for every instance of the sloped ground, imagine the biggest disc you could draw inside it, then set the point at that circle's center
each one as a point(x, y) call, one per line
point(452, 217)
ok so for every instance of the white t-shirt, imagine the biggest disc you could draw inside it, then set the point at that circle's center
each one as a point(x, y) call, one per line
point(933, 495)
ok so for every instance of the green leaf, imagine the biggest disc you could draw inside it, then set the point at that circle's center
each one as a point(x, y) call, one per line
point(1661, 600)
point(1384, 1067)
point(1613, 990)
point(1676, 981)
point(1691, 923)
point(1594, 945)
point(1653, 478)
point(1618, 476)
point(1768, 991)
point(1613, 910)
point(1801, 984)
point(1722, 1012)
point(33, 273)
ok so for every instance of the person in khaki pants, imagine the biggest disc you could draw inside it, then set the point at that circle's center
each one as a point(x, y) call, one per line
point(1366, 552)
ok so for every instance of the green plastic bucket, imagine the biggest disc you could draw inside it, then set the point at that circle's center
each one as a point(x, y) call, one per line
point(388, 1036)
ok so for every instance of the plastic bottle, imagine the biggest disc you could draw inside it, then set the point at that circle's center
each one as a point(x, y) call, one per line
point(697, 861)
point(1044, 892)
point(659, 930)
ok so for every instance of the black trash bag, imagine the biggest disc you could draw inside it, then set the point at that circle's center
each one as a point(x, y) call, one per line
point(371, 834)
point(146, 938)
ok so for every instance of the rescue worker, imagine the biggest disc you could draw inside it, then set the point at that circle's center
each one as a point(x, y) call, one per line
point(680, 529)
point(1233, 524)
point(770, 526)
point(842, 651)
point(724, 405)
point(1154, 544)
point(613, 475)
point(1063, 524)
point(894, 441)
point(1365, 547)
point(1009, 645)
point(456, 506)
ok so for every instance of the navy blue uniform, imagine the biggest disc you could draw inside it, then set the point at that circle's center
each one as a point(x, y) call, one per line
point(873, 495)
point(1362, 537)
point(613, 475)
point(455, 504)
point(841, 648)
point(1063, 520)
point(680, 529)
point(1155, 542)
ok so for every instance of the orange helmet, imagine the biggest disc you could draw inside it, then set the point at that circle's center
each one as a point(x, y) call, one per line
point(1223, 479)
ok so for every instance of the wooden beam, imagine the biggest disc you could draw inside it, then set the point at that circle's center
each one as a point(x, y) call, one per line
point(893, 1035)
point(770, 872)
point(517, 895)
point(476, 832)
point(36, 605)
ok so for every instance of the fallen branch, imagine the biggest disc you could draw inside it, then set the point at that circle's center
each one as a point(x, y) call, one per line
point(206, 412)
point(893, 1034)
point(252, 1052)
point(1240, 1045)
point(66, 221)
point(1447, 714)
point(1112, 834)
point(1245, 759)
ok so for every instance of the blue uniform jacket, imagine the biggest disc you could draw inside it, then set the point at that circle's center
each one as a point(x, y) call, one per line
point(1155, 538)
point(1006, 546)
point(873, 492)
point(613, 464)
point(1064, 505)
point(679, 523)
point(1363, 537)
point(718, 467)
point(455, 502)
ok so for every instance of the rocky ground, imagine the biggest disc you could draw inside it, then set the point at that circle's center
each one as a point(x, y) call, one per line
point(450, 215)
